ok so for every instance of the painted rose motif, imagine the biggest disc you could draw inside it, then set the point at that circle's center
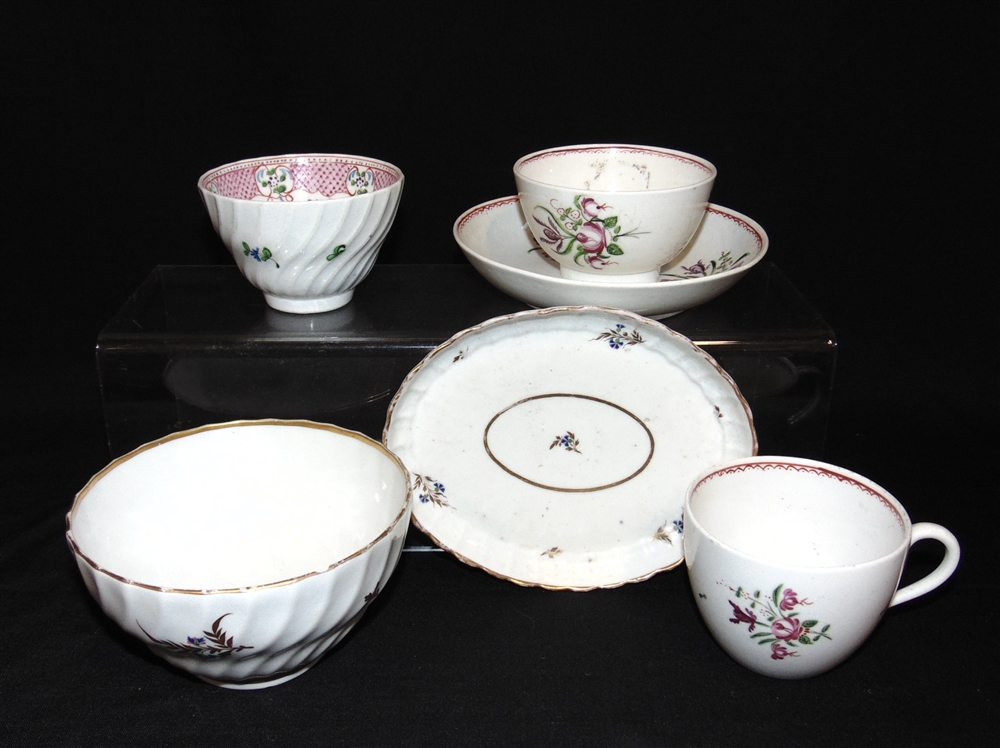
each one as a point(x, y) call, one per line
point(581, 229)
point(593, 237)
point(275, 182)
point(786, 629)
point(773, 619)
point(790, 601)
point(780, 651)
point(591, 207)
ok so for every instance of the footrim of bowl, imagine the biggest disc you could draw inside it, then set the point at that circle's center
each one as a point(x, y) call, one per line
point(253, 685)
point(309, 306)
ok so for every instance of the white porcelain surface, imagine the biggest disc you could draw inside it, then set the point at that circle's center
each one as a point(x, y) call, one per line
point(242, 552)
point(793, 562)
point(495, 238)
point(613, 212)
point(305, 229)
point(553, 447)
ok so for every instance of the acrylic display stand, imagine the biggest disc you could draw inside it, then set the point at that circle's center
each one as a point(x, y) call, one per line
point(197, 344)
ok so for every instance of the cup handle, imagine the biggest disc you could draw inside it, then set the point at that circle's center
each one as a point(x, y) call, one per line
point(952, 552)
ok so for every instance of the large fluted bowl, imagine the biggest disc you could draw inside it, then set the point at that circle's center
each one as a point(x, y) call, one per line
point(304, 229)
point(241, 552)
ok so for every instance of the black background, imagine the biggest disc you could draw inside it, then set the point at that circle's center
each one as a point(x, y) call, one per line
point(861, 136)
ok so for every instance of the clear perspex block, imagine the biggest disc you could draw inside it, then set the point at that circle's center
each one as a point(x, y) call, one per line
point(197, 344)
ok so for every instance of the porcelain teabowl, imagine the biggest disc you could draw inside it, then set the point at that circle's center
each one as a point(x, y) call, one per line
point(613, 213)
point(793, 562)
point(304, 229)
point(242, 552)
point(497, 241)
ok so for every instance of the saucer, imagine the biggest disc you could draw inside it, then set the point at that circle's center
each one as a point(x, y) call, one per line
point(554, 447)
point(495, 238)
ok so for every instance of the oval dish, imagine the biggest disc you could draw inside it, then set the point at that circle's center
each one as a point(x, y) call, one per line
point(553, 447)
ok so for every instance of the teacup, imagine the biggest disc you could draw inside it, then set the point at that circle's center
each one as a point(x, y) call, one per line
point(793, 562)
point(613, 213)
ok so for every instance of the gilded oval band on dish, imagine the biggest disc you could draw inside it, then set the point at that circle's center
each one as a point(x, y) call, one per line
point(505, 468)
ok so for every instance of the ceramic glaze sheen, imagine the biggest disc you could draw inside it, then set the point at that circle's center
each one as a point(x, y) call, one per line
point(793, 562)
point(615, 168)
point(497, 241)
point(553, 447)
point(286, 505)
point(242, 552)
point(613, 213)
point(305, 229)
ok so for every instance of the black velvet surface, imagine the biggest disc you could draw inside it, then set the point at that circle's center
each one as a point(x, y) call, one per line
point(859, 135)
